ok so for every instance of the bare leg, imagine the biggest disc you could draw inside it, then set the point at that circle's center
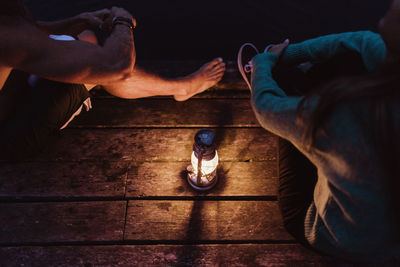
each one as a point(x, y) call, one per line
point(143, 84)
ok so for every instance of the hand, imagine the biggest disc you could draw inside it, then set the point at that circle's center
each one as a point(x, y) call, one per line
point(279, 48)
point(120, 12)
point(117, 12)
point(95, 19)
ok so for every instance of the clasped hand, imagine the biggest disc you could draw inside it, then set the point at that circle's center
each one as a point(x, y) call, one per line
point(103, 18)
point(279, 48)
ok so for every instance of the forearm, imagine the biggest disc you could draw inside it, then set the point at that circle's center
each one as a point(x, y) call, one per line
point(275, 111)
point(110, 63)
point(263, 83)
point(70, 26)
point(370, 46)
point(77, 61)
point(32, 51)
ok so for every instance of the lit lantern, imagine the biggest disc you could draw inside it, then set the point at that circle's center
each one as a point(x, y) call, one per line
point(202, 173)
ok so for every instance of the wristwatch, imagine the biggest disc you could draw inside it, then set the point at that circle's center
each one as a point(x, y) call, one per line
point(123, 21)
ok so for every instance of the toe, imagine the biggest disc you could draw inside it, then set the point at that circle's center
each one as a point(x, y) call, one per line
point(219, 68)
point(220, 64)
point(218, 78)
point(217, 75)
point(215, 62)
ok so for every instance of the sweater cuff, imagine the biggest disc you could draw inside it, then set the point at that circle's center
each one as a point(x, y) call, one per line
point(269, 59)
point(294, 52)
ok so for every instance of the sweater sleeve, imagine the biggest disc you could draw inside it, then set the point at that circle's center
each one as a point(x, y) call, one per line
point(370, 45)
point(275, 111)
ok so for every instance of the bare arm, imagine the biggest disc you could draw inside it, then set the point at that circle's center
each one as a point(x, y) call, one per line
point(26, 47)
point(75, 25)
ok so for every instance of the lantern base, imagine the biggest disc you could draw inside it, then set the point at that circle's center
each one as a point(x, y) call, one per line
point(192, 180)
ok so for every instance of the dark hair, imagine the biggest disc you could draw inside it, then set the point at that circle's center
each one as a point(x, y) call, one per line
point(381, 91)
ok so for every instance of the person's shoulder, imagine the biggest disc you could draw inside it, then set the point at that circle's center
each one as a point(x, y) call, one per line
point(17, 36)
point(366, 35)
point(14, 26)
point(7, 21)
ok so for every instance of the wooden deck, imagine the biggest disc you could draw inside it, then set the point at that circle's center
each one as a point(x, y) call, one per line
point(112, 190)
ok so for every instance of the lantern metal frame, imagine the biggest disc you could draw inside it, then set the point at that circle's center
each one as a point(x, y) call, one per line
point(203, 149)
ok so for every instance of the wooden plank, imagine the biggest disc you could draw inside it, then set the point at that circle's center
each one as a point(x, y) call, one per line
point(66, 179)
point(235, 179)
point(167, 255)
point(247, 144)
point(204, 220)
point(60, 222)
point(168, 113)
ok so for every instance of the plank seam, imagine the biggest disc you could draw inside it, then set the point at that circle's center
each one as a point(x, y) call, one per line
point(127, 201)
point(125, 220)
point(9, 200)
point(217, 95)
point(92, 160)
point(156, 126)
point(149, 242)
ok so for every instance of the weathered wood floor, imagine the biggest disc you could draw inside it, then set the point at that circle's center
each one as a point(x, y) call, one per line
point(112, 190)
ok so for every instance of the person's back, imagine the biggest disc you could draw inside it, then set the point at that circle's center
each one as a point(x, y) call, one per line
point(352, 212)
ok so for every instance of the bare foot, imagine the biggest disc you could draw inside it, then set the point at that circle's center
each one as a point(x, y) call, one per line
point(207, 76)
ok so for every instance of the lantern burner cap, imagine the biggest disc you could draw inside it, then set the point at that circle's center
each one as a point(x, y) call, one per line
point(204, 138)
point(204, 147)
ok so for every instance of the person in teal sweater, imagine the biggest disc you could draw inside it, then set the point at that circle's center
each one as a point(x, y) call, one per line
point(339, 175)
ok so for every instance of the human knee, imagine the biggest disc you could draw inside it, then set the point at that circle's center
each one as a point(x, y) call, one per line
point(88, 36)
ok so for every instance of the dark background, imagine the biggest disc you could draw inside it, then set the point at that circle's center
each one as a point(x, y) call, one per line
point(179, 29)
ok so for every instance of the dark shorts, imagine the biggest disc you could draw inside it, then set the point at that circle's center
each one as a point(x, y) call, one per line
point(30, 118)
point(297, 179)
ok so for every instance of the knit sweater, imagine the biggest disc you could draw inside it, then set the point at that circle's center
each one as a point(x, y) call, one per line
point(350, 216)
